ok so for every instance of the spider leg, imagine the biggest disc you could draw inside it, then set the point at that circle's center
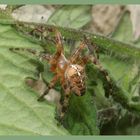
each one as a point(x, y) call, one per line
point(37, 32)
point(105, 74)
point(65, 103)
point(76, 55)
point(94, 57)
point(41, 33)
point(42, 55)
point(58, 41)
point(98, 65)
point(83, 60)
point(50, 86)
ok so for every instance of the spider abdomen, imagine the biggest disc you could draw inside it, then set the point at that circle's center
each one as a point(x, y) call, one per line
point(75, 77)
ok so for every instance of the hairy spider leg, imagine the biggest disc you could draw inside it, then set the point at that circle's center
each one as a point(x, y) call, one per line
point(41, 33)
point(104, 73)
point(93, 49)
point(58, 40)
point(42, 55)
point(38, 32)
point(76, 55)
point(59, 51)
point(50, 86)
point(94, 57)
point(65, 102)
point(76, 58)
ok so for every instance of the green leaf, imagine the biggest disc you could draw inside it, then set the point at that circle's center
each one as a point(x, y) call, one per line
point(5, 15)
point(30, 116)
point(20, 113)
point(82, 115)
point(126, 75)
point(125, 72)
point(71, 16)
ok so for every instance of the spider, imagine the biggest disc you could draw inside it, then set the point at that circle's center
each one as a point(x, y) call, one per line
point(69, 71)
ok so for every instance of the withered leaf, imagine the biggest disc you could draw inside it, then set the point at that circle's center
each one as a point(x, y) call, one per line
point(105, 18)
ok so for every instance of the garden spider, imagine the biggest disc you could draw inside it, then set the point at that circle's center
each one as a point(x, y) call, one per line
point(70, 72)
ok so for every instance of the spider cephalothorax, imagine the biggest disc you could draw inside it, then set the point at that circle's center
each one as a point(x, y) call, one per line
point(69, 71)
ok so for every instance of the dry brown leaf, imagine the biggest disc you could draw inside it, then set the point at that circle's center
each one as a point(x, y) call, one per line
point(135, 19)
point(105, 18)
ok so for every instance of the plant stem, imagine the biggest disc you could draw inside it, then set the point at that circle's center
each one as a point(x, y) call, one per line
point(105, 44)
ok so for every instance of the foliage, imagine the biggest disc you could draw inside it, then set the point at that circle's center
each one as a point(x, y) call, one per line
point(22, 114)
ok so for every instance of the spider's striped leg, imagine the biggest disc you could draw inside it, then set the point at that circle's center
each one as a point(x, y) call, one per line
point(94, 57)
point(42, 33)
point(83, 60)
point(65, 103)
point(50, 86)
point(41, 55)
point(105, 74)
point(76, 55)
point(58, 42)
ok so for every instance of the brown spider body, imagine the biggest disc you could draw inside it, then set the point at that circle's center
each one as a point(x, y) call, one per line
point(71, 75)
point(70, 72)
point(75, 78)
